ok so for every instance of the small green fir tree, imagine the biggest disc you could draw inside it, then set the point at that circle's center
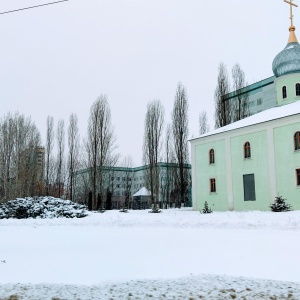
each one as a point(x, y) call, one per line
point(206, 209)
point(279, 205)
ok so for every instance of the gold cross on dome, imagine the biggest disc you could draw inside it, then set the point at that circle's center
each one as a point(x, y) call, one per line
point(291, 9)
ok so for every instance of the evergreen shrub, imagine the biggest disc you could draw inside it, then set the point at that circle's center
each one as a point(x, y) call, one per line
point(280, 205)
point(206, 209)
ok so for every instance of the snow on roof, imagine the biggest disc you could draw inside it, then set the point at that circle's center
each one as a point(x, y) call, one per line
point(274, 113)
point(142, 192)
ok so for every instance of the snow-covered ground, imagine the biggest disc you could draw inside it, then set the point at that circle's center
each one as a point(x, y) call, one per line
point(178, 254)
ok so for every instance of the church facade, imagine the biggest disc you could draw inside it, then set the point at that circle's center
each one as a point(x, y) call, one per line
point(245, 165)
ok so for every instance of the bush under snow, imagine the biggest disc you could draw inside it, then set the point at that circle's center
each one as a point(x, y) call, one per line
point(41, 208)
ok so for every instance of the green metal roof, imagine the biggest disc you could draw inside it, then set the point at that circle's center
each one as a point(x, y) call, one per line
point(252, 88)
point(141, 168)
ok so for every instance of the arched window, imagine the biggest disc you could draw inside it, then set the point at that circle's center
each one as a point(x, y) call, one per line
point(298, 177)
point(297, 89)
point(213, 188)
point(247, 150)
point(297, 140)
point(211, 156)
point(284, 94)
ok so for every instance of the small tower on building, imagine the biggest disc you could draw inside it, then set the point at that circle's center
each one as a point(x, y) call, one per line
point(286, 67)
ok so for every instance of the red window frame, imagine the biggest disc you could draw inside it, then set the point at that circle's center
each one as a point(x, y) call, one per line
point(247, 150)
point(298, 177)
point(213, 185)
point(297, 140)
point(211, 156)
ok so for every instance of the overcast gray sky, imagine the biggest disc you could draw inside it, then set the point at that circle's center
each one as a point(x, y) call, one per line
point(56, 60)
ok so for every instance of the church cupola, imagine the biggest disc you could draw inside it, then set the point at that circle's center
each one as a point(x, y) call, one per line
point(288, 60)
point(286, 67)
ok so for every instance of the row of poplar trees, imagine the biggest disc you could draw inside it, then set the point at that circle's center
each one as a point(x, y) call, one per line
point(25, 173)
point(173, 149)
point(20, 170)
point(91, 154)
point(20, 139)
point(236, 107)
point(231, 99)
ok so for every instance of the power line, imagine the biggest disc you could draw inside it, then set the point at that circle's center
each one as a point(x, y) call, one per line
point(30, 7)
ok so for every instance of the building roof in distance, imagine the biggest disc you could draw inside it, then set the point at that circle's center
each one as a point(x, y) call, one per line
point(142, 192)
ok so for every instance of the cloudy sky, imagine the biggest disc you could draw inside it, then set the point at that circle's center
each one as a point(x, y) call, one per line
point(56, 60)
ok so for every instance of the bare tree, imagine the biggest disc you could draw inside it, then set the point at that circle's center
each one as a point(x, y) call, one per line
point(241, 104)
point(109, 179)
point(111, 173)
point(21, 168)
point(154, 121)
point(52, 190)
point(167, 182)
point(180, 136)
point(7, 147)
point(60, 157)
point(99, 145)
point(128, 176)
point(49, 148)
point(82, 178)
point(73, 143)
point(222, 105)
point(203, 124)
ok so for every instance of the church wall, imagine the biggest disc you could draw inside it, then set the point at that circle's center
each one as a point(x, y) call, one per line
point(287, 161)
point(204, 171)
point(290, 82)
point(257, 165)
point(273, 163)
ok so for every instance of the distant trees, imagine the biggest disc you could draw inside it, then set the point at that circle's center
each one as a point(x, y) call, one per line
point(167, 181)
point(7, 155)
point(128, 178)
point(203, 123)
point(29, 173)
point(57, 169)
point(180, 139)
point(21, 171)
point(237, 107)
point(60, 135)
point(109, 178)
point(110, 172)
point(99, 145)
point(241, 102)
point(49, 147)
point(223, 113)
point(73, 153)
point(154, 121)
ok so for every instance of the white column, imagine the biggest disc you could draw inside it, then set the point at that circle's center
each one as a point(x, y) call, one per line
point(271, 164)
point(229, 174)
point(194, 178)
